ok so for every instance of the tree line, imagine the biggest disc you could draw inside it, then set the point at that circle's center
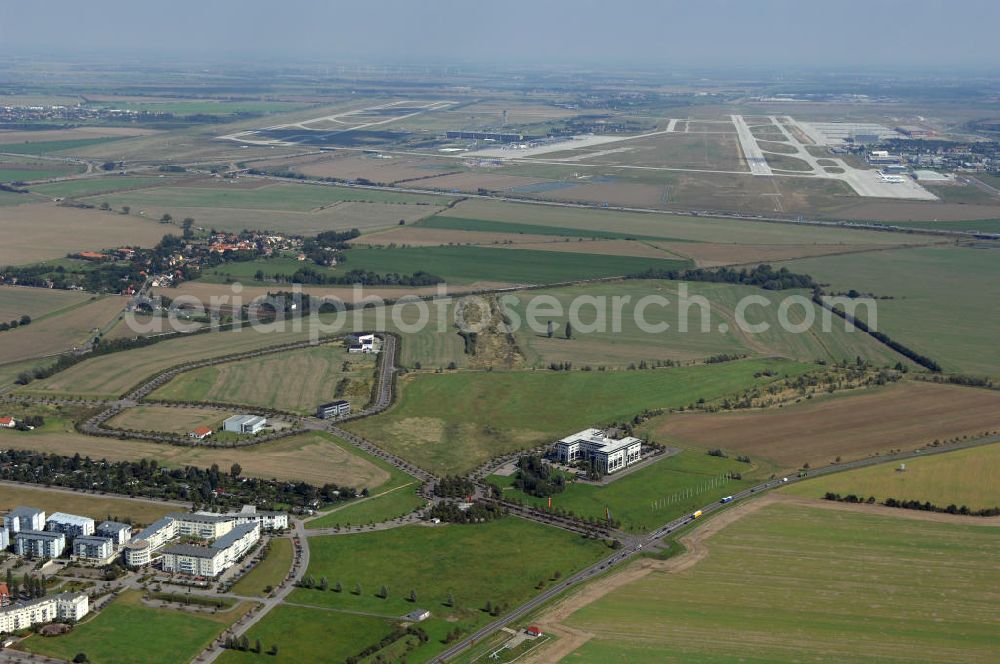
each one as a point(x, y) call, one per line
point(208, 487)
point(763, 276)
point(923, 506)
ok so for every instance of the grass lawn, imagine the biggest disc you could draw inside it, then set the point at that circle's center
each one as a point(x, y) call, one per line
point(964, 477)
point(467, 264)
point(269, 572)
point(46, 147)
point(451, 422)
point(939, 295)
point(499, 562)
point(126, 631)
point(298, 380)
point(643, 500)
point(795, 584)
point(385, 503)
point(95, 506)
point(89, 186)
point(310, 635)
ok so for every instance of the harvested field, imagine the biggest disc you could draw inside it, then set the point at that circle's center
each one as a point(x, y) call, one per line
point(337, 216)
point(59, 331)
point(94, 506)
point(916, 211)
point(113, 374)
point(471, 182)
point(907, 416)
point(16, 301)
point(311, 457)
point(353, 167)
point(170, 420)
point(613, 193)
point(713, 255)
point(968, 477)
point(45, 231)
point(298, 380)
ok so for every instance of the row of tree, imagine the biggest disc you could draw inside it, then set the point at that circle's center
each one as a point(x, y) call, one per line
point(209, 487)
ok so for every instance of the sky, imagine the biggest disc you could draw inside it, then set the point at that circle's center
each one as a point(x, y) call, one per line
point(653, 34)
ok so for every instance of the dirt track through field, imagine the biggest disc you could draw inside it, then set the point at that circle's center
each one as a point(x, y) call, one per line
point(697, 549)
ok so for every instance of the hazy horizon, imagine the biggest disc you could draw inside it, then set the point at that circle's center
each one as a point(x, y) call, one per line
point(887, 35)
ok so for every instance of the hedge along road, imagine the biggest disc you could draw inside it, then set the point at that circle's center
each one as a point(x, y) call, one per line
point(654, 537)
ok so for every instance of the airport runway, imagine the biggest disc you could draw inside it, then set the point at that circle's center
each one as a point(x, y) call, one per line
point(752, 153)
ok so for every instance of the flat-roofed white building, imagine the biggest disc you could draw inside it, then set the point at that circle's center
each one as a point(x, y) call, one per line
point(202, 525)
point(139, 550)
point(608, 455)
point(121, 533)
point(70, 525)
point(39, 544)
point(244, 424)
point(268, 519)
point(64, 606)
point(95, 549)
point(25, 518)
point(210, 561)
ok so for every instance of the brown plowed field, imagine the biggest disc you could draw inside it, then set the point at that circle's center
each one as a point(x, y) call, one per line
point(852, 426)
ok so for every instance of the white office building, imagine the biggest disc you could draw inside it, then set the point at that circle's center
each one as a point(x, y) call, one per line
point(608, 455)
point(64, 606)
point(70, 525)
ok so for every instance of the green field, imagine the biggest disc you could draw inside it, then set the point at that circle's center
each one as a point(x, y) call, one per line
point(449, 423)
point(648, 497)
point(939, 299)
point(797, 584)
point(90, 186)
point(665, 226)
point(629, 343)
point(485, 225)
point(14, 174)
point(282, 196)
point(126, 631)
point(310, 635)
point(46, 147)
point(465, 264)
point(269, 572)
point(397, 497)
point(964, 477)
point(297, 380)
point(498, 562)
